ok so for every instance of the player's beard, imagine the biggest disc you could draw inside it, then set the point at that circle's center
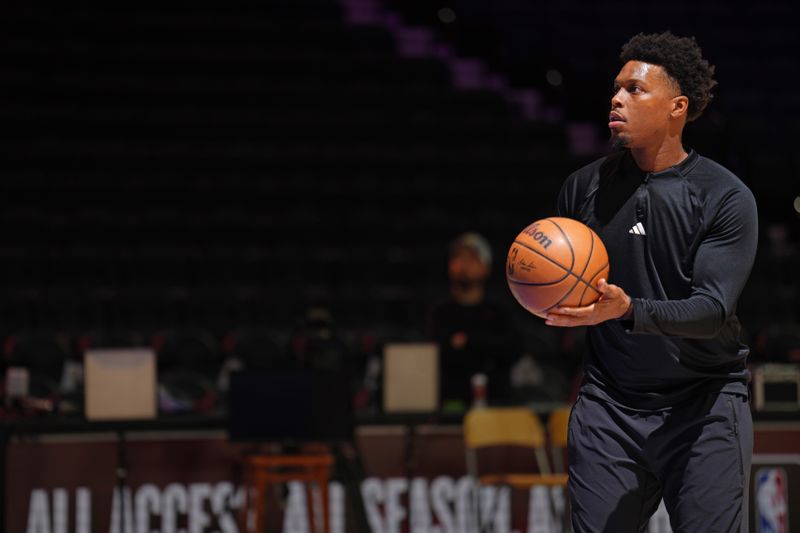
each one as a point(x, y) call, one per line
point(617, 141)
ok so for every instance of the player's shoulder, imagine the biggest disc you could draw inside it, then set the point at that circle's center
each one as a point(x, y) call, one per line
point(592, 172)
point(602, 165)
point(709, 173)
point(716, 180)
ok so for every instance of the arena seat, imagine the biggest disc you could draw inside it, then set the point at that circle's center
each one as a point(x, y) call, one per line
point(43, 353)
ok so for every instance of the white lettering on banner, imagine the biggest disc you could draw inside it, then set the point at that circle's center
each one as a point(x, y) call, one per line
point(336, 502)
point(443, 505)
point(420, 511)
point(502, 515)
point(115, 512)
point(540, 514)
point(395, 512)
point(223, 501)
point(60, 511)
point(174, 502)
point(83, 510)
point(486, 504)
point(495, 507)
point(454, 507)
point(559, 506)
point(464, 515)
point(39, 512)
point(295, 518)
point(40, 520)
point(199, 519)
point(372, 495)
point(147, 503)
point(147, 510)
point(443, 491)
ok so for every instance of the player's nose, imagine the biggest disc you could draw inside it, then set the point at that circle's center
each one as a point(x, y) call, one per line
point(616, 99)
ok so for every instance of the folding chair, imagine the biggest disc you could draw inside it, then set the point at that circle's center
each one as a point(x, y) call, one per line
point(557, 424)
point(515, 426)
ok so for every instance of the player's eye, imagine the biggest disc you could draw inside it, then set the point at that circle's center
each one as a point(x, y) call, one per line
point(635, 89)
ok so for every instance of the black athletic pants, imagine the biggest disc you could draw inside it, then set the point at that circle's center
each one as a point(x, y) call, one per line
point(695, 456)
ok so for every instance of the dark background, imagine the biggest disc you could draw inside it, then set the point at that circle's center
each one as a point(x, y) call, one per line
point(193, 167)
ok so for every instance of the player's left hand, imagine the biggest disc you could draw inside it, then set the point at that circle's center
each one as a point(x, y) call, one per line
point(613, 304)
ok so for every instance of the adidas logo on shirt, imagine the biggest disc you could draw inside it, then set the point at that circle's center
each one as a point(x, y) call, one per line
point(638, 229)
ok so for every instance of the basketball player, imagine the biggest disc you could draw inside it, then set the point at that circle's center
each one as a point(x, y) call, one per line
point(663, 410)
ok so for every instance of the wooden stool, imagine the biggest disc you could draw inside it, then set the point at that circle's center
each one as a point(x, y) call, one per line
point(260, 471)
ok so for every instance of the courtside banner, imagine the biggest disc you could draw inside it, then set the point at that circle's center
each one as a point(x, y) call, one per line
point(189, 482)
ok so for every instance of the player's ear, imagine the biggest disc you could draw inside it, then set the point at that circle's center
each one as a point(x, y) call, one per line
point(680, 106)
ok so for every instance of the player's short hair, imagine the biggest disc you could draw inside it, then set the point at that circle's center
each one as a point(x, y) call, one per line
point(682, 59)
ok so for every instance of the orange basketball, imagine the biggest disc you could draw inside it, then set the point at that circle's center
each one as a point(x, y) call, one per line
point(556, 262)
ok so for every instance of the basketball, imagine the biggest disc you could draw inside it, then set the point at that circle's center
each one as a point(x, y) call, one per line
point(556, 262)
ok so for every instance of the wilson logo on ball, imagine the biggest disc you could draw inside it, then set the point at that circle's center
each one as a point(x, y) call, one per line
point(537, 235)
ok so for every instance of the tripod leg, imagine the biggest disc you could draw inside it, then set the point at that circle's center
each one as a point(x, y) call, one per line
point(349, 470)
point(122, 480)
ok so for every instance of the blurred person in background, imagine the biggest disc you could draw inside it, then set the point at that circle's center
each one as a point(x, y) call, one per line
point(475, 334)
point(317, 343)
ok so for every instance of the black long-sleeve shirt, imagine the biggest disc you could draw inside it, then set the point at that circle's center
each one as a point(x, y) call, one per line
point(681, 243)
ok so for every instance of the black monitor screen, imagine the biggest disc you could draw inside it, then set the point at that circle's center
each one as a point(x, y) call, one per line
point(296, 405)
